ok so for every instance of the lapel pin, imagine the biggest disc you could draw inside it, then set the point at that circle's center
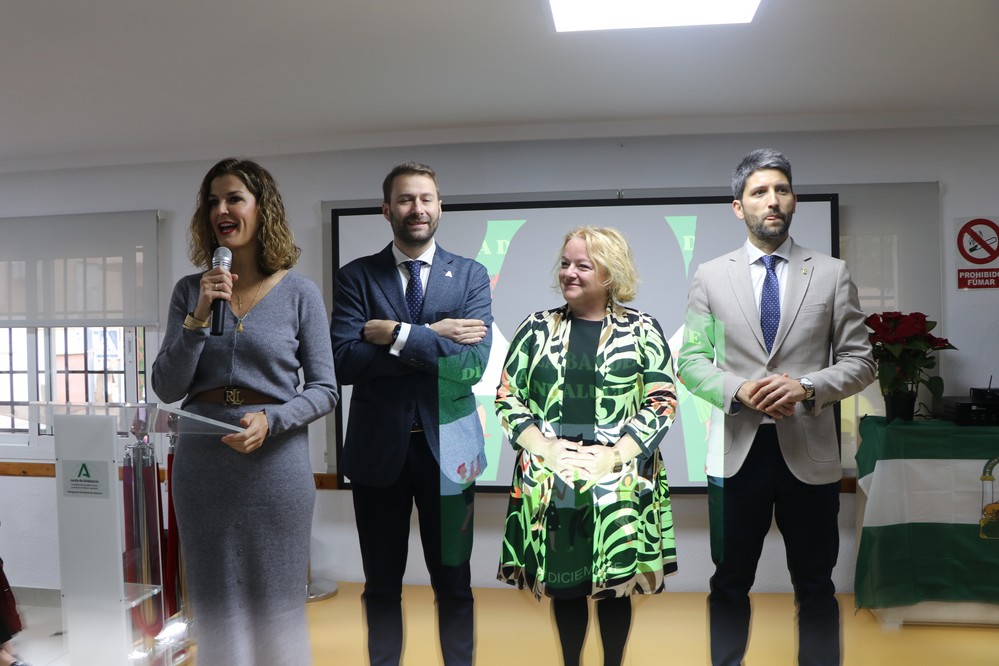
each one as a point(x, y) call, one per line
point(804, 271)
point(448, 274)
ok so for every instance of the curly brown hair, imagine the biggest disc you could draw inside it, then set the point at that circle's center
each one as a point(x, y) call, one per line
point(277, 243)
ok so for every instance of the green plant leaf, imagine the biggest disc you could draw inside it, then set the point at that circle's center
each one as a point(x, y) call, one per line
point(936, 386)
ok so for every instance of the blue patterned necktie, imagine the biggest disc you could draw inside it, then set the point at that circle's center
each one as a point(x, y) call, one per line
point(414, 291)
point(770, 302)
point(414, 301)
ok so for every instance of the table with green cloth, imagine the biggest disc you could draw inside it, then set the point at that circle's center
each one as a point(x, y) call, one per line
point(931, 522)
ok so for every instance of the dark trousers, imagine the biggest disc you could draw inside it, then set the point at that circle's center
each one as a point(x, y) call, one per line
point(383, 517)
point(741, 509)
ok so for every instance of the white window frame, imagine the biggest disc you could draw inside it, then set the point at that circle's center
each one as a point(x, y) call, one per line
point(32, 445)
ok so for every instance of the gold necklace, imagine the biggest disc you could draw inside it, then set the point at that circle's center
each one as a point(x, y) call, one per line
point(239, 306)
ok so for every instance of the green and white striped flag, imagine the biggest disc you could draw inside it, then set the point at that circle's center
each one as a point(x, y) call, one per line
point(931, 525)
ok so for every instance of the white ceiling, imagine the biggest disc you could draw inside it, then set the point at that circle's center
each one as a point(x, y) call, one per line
point(94, 82)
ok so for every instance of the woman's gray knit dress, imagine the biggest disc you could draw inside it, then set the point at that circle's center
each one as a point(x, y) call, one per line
point(245, 519)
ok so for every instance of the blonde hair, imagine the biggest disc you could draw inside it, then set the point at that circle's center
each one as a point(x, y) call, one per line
point(609, 250)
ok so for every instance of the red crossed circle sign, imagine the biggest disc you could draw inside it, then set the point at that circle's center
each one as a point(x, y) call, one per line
point(978, 241)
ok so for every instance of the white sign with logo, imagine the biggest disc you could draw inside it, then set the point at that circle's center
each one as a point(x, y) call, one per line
point(85, 478)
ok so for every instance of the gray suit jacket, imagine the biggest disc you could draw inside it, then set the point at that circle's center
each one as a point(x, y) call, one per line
point(821, 336)
point(432, 375)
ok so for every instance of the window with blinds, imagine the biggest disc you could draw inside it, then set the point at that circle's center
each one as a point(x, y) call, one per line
point(76, 293)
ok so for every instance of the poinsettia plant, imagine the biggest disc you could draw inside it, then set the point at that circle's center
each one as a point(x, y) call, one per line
point(903, 349)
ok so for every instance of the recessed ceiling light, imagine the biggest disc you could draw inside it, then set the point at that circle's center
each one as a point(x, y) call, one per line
point(576, 15)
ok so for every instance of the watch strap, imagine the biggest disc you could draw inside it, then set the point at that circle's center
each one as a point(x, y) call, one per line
point(618, 463)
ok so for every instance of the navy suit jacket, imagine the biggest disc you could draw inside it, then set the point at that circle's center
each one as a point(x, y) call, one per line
point(432, 375)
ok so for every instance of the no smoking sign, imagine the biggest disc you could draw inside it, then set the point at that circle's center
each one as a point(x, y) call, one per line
point(978, 243)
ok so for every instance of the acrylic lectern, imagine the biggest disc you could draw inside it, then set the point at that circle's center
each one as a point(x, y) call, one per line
point(110, 514)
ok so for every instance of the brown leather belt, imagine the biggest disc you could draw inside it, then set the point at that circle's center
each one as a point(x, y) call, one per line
point(234, 396)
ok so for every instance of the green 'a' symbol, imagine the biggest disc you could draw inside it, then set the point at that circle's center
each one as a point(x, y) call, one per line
point(84, 472)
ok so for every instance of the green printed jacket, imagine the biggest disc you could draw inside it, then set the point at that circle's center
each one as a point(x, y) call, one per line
point(635, 393)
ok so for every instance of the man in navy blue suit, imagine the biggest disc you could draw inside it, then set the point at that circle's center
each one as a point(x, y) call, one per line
point(411, 332)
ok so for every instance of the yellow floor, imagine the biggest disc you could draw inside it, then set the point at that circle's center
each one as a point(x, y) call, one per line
point(669, 629)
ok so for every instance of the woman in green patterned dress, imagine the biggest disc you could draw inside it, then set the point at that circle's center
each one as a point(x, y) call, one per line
point(585, 397)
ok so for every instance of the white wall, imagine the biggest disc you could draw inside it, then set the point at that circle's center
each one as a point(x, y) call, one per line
point(965, 161)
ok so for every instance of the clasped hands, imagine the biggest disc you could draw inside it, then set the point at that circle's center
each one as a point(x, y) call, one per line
point(459, 331)
point(572, 461)
point(775, 395)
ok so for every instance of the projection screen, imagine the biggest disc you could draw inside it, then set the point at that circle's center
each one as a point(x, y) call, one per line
point(518, 243)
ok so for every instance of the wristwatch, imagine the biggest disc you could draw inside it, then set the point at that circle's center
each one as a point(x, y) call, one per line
point(395, 332)
point(806, 384)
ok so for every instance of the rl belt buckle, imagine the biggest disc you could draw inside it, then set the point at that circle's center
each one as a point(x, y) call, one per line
point(232, 396)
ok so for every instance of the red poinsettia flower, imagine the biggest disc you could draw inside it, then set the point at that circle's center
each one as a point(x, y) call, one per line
point(902, 347)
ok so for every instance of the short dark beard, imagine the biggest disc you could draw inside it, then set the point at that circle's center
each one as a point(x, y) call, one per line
point(408, 240)
point(759, 230)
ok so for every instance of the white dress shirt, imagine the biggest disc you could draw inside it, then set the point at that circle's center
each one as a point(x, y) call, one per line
point(400, 261)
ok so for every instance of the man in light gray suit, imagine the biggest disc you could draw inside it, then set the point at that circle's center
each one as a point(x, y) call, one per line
point(774, 337)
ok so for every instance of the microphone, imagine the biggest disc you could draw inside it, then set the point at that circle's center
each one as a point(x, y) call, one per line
point(223, 258)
